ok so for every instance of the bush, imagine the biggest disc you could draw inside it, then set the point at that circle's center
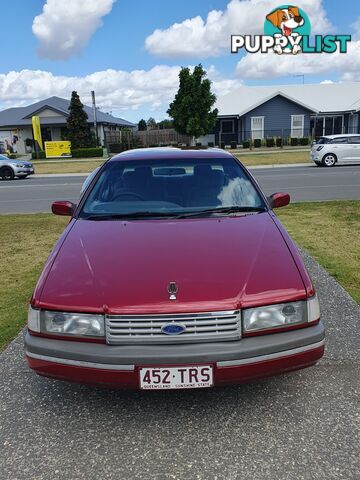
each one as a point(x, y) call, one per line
point(279, 142)
point(270, 142)
point(87, 152)
point(38, 156)
point(233, 145)
point(199, 144)
point(294, 142)
point(222, 145)
point(246, 144)
point(257, 143)
point(211, 144)
point(304, 141)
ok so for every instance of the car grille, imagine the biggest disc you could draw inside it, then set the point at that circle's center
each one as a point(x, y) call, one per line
point(147, 329)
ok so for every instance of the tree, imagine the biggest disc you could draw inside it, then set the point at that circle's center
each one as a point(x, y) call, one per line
point(191, 108)
point(151, 124)
point(78, 128)
point(166, 124)
point(142, 126)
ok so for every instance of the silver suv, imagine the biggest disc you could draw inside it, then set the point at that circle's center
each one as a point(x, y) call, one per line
point(332, 149)
point(9, 169)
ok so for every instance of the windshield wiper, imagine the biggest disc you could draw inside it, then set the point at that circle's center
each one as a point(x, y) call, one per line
point(222, 210)
point(129, 216)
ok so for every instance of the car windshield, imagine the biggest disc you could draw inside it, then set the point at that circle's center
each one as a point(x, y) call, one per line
point(171, 187)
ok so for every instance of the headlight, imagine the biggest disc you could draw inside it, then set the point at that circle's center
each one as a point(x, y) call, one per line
point(281, 316)
point(63, 323)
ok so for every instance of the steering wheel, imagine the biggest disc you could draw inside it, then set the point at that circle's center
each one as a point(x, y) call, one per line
point(127, 194)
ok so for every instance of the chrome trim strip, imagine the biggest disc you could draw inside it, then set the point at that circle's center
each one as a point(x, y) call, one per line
point(79, 363)
point(271, 356)
point(177, 315)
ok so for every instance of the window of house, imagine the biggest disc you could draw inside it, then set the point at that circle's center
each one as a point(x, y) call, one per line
point(297, 126)
point(257, 128)
point(227, 126)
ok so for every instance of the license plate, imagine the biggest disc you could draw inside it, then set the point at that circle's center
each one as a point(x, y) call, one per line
point(176, 377)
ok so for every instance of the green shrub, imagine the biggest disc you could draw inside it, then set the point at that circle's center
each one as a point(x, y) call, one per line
point(222, 145)
point(12, 156)
point(304, 141)
point(294, 142)
point(211, 144)
point(279, 142)
point(87, 152)
point(257, 143)
point(38, 155)
point(233, 145)
point(270, 142)
point(199, 144)
point(246, 144)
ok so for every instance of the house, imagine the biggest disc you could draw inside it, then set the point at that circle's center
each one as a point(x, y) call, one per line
point(287, 111)
point(15, 123)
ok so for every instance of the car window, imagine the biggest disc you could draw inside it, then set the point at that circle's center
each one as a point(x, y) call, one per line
point(339, 140)
point(89, 179)
point(354, 139)
point(171, 186)
point(323, 140)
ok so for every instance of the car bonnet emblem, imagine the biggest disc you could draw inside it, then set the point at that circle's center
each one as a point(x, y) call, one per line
point(172, 290)
point(173, 328)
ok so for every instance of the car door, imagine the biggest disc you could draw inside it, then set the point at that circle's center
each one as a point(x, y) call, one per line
point(340, 147)
point(354, 148)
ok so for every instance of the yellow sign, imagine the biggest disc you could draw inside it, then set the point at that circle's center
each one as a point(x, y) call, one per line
point(37, 132)
point(57, 149)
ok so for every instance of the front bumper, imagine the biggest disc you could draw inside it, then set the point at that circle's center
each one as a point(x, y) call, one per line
point(233, 362)
point(24, 172)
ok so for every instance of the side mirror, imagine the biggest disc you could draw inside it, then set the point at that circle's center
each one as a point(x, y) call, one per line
point(63, 208)
point(278, 200)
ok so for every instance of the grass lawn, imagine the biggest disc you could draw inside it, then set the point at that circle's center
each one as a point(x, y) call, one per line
point(273, 158)
point(25, 243)
point(329, 231)
point(67, 167)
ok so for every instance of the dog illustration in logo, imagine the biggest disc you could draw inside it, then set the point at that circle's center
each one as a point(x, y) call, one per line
point(286, 20)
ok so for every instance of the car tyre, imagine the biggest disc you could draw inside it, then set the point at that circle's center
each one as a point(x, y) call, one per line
point(22, 177)
point(329, 160)
point(318, 164)
point(7, 173)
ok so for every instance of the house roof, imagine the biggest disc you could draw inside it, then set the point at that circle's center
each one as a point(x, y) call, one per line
point(319, 98)
point(21, 116)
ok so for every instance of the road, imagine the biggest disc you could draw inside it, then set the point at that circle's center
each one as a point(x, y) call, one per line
point(300, 426)
point(303, 183)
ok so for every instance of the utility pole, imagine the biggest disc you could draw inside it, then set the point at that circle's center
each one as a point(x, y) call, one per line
point(95, 117)
point(300, 76)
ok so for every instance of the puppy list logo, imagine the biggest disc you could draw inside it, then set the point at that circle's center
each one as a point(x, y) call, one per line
point(287, 31)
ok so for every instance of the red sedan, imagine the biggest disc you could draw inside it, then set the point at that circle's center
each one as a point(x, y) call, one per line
point(173, 272)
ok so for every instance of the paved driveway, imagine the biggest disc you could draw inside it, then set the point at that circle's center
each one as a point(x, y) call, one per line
point(304, 425)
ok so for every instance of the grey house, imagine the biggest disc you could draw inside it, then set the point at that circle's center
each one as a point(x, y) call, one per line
point(287, 111)
point(15, 123)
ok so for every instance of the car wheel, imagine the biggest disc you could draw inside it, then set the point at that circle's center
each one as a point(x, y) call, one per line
point(7, 173)
point(329, 160)
point(22, 177)
point(318, 164)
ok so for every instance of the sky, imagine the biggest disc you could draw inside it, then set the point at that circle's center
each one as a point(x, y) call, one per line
point(130, 52)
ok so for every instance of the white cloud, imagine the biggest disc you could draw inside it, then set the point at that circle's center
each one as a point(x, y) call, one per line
point(270, 65)
point(198, 37)
point(65, 26)
point(118, 91)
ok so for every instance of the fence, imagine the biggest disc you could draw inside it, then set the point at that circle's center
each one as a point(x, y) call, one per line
point(124, 140)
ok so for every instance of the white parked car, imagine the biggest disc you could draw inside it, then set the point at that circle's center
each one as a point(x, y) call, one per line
point(332, 149)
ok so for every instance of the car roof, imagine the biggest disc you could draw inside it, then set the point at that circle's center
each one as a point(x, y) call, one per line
point(170, 152)
point(341, 135)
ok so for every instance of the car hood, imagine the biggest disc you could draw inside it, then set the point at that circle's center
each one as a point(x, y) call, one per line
point(125, 267)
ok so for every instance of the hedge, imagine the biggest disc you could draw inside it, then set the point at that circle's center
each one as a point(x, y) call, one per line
point(211, 144)
point(222, 145)
point(279, 142)
point(233, 145)
point(246, 144)
point(270, 142)
point(294, 142)
point(87, 152)
point(38, 156)
point(257, 143)
point(304, 141)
